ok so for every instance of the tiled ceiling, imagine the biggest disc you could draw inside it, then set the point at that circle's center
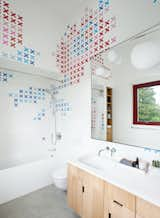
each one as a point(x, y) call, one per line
point(65, 10)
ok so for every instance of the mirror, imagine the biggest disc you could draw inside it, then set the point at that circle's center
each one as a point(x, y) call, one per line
point(126, 92)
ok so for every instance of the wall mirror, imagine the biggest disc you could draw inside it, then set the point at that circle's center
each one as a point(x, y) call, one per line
point(126, 92)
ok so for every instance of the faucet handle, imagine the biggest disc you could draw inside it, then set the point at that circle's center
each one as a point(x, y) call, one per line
point(113, 150)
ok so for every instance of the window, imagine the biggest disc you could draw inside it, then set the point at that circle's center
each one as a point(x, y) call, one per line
point(146, 103)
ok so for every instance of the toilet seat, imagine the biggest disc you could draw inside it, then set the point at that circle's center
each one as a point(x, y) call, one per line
point(60, 173)
point(60, 178)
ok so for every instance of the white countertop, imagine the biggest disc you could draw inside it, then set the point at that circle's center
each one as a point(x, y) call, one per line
point(132, 180)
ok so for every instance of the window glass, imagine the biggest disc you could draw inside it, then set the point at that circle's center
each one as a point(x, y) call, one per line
point(147, 103)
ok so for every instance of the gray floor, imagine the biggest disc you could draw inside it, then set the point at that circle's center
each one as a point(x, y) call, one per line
point(45, 203)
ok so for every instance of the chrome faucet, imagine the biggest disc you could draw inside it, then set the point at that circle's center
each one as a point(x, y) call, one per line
point(104, 149)
point(100, 151)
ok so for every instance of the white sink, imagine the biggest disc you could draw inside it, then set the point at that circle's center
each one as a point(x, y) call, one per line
point(100, 163)
point(108, 164)
point(113, 169)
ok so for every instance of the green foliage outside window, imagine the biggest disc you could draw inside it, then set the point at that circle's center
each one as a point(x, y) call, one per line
point(148, 108)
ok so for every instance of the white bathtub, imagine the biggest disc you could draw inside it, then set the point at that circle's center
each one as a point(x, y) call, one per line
point(21, 177)
point(21, 160)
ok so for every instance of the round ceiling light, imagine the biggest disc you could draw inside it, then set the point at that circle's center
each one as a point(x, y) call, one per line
point(113, 57)
point(145, 55)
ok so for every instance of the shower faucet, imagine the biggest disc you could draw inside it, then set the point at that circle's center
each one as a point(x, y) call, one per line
point(58, 136)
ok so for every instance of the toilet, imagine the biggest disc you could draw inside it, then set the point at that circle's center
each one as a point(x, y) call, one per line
point(59, 177)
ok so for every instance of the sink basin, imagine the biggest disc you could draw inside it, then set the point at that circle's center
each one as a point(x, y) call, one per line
point(105, 164)
point(100, 163)
point(112, 169)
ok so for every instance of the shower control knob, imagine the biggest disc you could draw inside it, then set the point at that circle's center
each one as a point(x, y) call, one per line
point(59, 136)
point(43, 138)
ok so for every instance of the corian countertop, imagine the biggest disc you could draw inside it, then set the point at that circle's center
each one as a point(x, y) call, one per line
point(134, 181)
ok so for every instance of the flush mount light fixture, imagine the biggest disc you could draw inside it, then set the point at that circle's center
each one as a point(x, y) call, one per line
point(146, 55)
point(113, 57)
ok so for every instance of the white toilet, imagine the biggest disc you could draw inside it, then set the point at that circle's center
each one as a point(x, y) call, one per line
point(60, 178)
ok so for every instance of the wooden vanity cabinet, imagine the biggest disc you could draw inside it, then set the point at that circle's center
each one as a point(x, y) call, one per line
point(120, 204)
point(146, 210)
point(91, 197)
point(85, 193)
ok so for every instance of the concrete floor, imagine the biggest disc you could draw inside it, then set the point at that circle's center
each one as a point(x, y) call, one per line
point(45, 203)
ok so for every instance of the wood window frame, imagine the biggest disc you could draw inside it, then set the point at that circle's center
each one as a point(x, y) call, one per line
point(135, 103)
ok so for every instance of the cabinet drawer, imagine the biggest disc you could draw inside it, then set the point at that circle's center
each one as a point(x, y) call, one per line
point(121, 197)
point(121, 203)
point(146, 210)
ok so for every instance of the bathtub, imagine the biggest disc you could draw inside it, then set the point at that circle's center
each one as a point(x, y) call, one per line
point(22, 160)
point(25, 175)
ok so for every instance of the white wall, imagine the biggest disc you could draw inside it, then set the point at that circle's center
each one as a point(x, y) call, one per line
point(99, 83)
point(75, 127)
point(27, 118)
point(21, 136)
point(132, 17)
point(25, 139)
point(98, 110)
point(124, 77)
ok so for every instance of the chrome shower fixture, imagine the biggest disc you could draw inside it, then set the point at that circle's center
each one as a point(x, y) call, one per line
point(55, 136)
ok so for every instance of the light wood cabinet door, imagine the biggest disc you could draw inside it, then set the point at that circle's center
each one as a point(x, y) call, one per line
point(146, 210)
point(106, 201)
point(93, 196)
point(121, 204)
point(74, 189)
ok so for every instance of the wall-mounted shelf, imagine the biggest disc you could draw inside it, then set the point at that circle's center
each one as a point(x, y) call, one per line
point(109, 114)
